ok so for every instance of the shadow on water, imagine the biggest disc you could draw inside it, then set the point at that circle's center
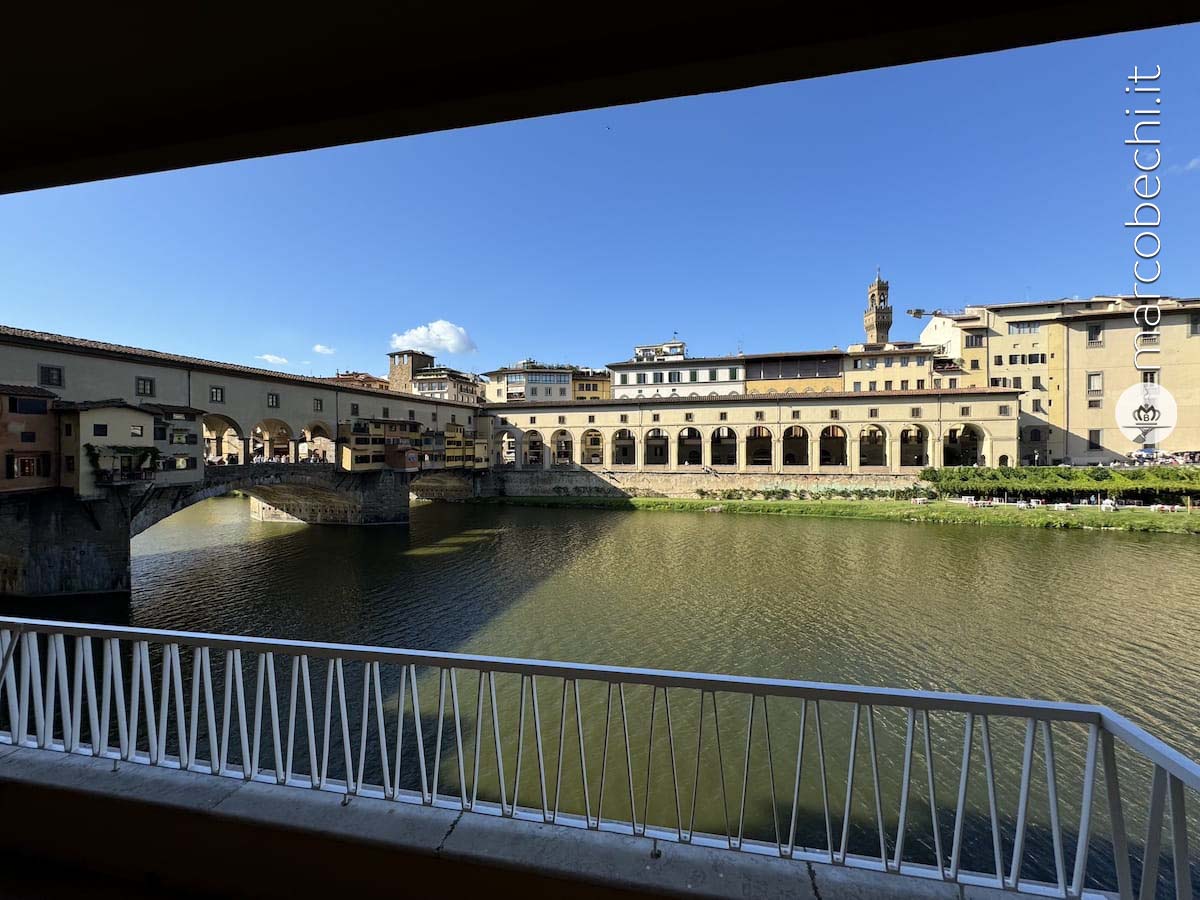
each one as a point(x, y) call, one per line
point(105, 609)
point(822, 600)
point(431, 585)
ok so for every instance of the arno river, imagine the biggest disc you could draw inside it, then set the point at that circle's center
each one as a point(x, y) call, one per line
point(1110, 618)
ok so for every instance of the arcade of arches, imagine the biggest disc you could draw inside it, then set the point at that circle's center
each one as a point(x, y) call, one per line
point(758, 448)
point(271, 440)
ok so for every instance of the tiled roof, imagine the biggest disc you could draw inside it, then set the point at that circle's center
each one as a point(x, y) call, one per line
point(168, 409)
point(705, 360)
point(1072, 301)
point(114, 403)
point(9, 334)
point(499, 408)
point(24, 390)
point(899, 347)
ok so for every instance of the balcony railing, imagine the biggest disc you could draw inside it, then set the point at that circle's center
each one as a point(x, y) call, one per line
point(122, 476)
point(763, 777)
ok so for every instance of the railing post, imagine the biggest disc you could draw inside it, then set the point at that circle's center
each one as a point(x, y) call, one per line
point(28, 681)
point(1179, 840)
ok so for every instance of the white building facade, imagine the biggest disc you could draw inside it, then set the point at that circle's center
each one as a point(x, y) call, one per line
point(665, 370)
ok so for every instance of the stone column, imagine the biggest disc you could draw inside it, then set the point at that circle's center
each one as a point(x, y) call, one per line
point(705, 449)
point(893, 453)
point(219, 444)
point(936, 451)
point(672, 458)
point(777, 453)
point(741, 452)
point(852, 450)
point(547, 454)
point(639, 452)
point(814, 451)
point(245, 450)
point(295, 451)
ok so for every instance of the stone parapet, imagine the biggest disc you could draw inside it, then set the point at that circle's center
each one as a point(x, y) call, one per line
point(584, 482)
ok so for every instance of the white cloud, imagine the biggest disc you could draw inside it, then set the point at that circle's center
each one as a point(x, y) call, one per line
point(436, 336)
point(323, 350)
point(1191, 165)
point(273, 359)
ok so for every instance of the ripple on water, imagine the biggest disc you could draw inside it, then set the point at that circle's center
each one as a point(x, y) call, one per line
point(990, 610)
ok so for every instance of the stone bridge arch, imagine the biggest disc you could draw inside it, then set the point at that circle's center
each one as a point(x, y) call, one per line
point(313, 493)
point(442, 484)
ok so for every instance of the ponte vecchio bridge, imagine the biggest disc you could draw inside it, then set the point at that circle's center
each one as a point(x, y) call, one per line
point(72, 535)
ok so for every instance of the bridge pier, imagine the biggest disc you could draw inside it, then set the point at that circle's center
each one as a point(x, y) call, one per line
point(52, 542)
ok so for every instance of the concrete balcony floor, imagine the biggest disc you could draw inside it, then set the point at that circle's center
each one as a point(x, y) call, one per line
point(78, 826)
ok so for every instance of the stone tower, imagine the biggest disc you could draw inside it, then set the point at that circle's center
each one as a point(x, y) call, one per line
point(403, 364)
point(877, 320)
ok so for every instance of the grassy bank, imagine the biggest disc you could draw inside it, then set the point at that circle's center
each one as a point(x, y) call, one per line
point(940, 512)
point(1161, 483)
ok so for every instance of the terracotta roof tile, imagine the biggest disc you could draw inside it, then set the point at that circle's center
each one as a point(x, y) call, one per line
point(24, 390)
point(27, 336)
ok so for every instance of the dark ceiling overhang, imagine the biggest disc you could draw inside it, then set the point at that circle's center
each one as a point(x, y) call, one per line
point(112, 92)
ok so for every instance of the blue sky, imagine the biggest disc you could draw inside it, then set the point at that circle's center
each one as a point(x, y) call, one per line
point(751, 219)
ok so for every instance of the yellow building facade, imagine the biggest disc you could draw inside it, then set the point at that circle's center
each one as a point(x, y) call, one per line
point(829, 432)
point(1070, 360)
point(591, 384)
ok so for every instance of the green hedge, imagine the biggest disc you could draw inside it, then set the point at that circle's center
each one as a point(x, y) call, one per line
point(1043, 481)
point(817, 493)
point(937, 513)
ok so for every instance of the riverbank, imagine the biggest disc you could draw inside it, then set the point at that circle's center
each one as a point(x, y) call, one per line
point(936, 512)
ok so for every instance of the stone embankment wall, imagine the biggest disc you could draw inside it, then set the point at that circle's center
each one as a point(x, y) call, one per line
point(587, 483)
point(51, 543)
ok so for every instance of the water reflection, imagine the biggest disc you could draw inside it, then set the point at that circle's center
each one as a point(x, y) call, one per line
point(982, 610)
point(978, 610)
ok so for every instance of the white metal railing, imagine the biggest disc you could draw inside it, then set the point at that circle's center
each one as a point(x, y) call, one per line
point(282, 736)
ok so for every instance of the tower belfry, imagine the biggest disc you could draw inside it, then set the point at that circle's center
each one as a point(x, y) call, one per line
point(877, 320)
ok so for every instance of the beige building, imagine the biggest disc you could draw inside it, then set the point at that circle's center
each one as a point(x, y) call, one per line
point(106, 444)
point(361, 379)
point(1071, 360)
point(414, 372)
point(591, 384)
point(903, 366)
point(831, 432)
point(665, 370)
point(366, 445)
point(1098, 359)
point(247, 412)
point(28, 438)
point(530, 380)
point(179, 440)
point(815, 371)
